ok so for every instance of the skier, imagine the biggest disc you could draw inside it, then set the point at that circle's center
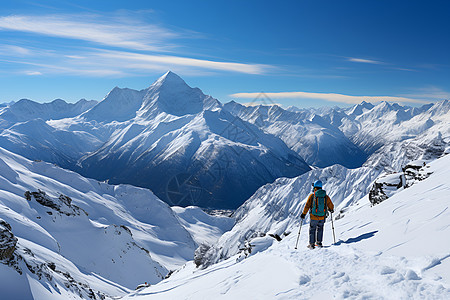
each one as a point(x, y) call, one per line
point(317, 202)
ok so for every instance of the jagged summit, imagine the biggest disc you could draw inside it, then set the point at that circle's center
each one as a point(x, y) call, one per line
point(119, 105)
point(360, 108)
point(171, 94)
point(170, 79)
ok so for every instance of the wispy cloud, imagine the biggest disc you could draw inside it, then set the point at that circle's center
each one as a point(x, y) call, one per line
point(13, 50)
point(33, 73)
point(144, 61)
point(332, 97)
point(92, 28)
point(144, 47)
point(100, 62)
point(365, 61)
point(64, 69)
point(429, 92)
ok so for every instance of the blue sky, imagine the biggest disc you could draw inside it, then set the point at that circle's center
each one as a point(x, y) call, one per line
point(303, 53)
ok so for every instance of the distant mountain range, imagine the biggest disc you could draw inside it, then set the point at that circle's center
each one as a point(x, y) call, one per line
point(171, 138)
point(190, 149)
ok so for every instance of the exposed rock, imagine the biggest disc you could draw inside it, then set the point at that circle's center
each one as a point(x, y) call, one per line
point(63, 204)
point(387, 185)
point(7, 241)
point(200, 257)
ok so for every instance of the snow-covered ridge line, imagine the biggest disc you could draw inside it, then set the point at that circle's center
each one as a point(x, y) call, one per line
point(25, 110)
point(327, 136)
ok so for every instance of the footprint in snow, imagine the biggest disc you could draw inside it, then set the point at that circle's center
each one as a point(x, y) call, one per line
point(304, 279)
point(387, 270)
point(411, 275)
point(338, 275)
point(340, 278)
point(396, 278)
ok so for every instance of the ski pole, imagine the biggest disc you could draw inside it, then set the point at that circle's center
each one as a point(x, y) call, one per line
point(298, 236)
point(332, 226)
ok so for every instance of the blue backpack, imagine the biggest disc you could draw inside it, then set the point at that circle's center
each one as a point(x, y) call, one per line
point(319, 207)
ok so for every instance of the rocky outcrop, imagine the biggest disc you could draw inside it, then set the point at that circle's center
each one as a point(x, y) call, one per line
point(62, 204)
point(387, 185)
point(8, 241)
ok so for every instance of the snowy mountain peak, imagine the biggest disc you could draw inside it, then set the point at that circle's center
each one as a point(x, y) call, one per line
point(440, 108)
point(359, 109)
point(119, 105)
point(366, 105)
point(171, 94)
point(170, 79)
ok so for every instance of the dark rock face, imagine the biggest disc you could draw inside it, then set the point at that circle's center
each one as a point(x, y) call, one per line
point(7, 241)
point(63, 204)
point(415, 171)
point(376, 193)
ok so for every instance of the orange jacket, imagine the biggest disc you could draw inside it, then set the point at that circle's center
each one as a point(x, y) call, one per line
point(309, 205)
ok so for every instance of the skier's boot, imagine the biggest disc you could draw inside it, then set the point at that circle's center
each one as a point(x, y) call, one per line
point(319, 244)
point(311, 246)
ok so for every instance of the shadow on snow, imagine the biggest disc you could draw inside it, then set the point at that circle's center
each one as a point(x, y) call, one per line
point(358, 238)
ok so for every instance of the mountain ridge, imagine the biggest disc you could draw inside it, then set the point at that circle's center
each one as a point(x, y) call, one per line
point(169, 133)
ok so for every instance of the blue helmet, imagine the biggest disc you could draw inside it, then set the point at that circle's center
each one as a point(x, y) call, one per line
point(317, 184)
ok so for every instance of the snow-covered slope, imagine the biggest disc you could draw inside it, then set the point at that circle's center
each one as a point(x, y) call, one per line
point(397, 249)
point(204, 228)
point(275, 207)
point(37, 140)
point(73, 230)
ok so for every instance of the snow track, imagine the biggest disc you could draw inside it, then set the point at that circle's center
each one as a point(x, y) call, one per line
point(333, 272)
point(343, 272)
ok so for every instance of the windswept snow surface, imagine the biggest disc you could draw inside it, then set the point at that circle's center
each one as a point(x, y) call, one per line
point(398, 249)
